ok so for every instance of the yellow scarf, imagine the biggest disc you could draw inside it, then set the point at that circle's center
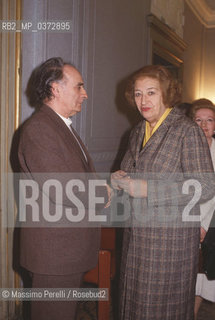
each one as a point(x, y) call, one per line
point(148, 134)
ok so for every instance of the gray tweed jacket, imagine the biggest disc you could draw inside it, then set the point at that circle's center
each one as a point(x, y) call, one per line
point(159, 259)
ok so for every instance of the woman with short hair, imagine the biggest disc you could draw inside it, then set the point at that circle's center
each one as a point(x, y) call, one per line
point(203, 113)
point(160, 251)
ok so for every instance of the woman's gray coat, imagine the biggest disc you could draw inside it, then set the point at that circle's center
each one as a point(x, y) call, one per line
point(160, 255)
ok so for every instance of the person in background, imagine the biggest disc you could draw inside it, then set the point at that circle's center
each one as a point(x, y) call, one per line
point(203, 113)
point(159, 260)
point(185, 106)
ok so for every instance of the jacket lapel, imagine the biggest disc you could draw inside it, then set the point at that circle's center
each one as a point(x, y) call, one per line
point(89, 161)
point(160, 132)
point(68, 137)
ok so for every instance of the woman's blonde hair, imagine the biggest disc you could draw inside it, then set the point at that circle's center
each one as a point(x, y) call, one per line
point(170, 87)
point(201, 104)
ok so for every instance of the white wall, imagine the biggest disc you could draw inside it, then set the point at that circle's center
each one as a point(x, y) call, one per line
point(199, 62)
point(208, 70)
point(193, 56)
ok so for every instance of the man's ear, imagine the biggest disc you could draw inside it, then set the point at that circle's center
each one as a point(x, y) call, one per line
point(55, 89)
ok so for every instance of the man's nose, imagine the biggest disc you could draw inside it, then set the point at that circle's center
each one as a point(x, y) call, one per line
point(84, 93)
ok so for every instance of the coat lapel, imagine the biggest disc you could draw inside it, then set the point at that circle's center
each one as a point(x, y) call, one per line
point(69, 138)
point(160, 132)
point(140, 135)
point(89, 161)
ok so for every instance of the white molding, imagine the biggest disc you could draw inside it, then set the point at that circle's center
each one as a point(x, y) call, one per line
point(202, 12)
